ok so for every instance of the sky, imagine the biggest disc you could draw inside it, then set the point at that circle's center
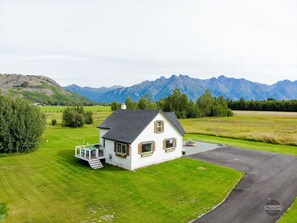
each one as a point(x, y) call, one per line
point(114, 42)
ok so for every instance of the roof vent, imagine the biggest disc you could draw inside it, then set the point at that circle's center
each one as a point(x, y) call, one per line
point(123, 106)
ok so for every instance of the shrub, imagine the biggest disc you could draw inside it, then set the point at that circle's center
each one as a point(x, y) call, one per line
point(89, 117)
point(54, 122)
point(76, 117)
point(21, 125)
point(3, 211)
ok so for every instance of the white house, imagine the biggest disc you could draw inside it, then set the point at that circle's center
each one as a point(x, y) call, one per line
point(136, 138)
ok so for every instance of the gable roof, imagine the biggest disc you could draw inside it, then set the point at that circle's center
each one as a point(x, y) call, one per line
point(126, 125)
point(173, 119)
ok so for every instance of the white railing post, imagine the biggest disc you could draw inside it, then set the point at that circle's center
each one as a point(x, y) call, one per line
point(97, 153)
point(85, 153)
point(89, 154)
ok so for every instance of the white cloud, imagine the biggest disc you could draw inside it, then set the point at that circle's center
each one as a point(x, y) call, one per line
point(123, 42)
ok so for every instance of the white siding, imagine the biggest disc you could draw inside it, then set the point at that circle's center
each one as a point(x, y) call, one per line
point(102, 132)
point(159, 154)
point(115, 160)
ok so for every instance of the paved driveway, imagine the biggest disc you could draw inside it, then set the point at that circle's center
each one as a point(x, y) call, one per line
point(269, 176)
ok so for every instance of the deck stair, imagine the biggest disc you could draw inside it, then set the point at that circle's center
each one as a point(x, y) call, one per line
point(95, 163)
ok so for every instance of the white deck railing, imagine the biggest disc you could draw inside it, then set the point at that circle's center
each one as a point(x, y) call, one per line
point(88, 152)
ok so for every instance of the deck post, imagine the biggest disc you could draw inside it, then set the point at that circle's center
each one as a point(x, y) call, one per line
point(89, 154)
point(97, 153)
point(85, 154)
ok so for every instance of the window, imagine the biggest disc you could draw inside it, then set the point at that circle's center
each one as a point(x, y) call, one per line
point(159, 126)
point(169, 144)
point(146, 147)
point(121, 149)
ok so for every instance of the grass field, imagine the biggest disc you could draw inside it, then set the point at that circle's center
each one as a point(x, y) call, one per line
point(291, 215)
point(269, 127)
point(55, 112)
point(284, 149)
point(50, 185)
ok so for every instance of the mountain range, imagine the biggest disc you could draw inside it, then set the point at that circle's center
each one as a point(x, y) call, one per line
point(231, 88)
point(38, 89)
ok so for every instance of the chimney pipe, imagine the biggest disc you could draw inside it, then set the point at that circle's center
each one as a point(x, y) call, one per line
point(123, 106)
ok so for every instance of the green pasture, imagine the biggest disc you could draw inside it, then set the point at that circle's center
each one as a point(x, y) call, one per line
point(51, 185)
point(269, 127)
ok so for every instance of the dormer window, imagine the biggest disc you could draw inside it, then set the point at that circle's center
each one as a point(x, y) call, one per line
point(159, 126)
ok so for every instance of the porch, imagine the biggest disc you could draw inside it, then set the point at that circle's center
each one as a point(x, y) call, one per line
point(89, 152)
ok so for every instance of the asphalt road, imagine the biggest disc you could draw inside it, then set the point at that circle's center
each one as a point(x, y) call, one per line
point(269, 176)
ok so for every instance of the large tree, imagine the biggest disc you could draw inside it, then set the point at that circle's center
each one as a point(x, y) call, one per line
point(21, 125)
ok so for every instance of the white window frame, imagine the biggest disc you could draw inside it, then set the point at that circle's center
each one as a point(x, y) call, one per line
point(152, 147)
point(159, 126)
point(119, 150)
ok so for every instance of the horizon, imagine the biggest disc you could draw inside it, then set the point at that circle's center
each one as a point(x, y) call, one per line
point(100, 44)
point(169, 76)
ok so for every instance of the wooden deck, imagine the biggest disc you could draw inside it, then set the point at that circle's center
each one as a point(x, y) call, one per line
point(89, 152)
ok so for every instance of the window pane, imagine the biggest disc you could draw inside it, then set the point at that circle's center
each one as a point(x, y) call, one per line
point(119, 148)
point(159, 126)
point(169, 143)
point(147, 147)
point(124, 149)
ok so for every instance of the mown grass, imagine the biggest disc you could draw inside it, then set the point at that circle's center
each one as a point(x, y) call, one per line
point(51, 185)
point(291, 215)
point(269, 127)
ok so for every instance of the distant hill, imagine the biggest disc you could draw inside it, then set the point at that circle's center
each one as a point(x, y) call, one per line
point(38, 89)
point(231, 88)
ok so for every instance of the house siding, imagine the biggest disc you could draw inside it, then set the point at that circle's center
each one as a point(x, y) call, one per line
point(111, 158)
point(159, 155)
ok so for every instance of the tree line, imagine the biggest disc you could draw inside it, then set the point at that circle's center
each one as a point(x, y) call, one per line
point(177, 102)
point(265, 105)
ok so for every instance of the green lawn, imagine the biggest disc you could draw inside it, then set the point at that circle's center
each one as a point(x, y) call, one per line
point(50, 185)
point(291, 215)
point(268, 147)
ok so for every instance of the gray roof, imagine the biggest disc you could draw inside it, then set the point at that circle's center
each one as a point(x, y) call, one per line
point(126, 125)
point(173, 119)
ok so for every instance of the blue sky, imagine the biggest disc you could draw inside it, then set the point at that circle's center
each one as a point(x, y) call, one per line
point(105, 43)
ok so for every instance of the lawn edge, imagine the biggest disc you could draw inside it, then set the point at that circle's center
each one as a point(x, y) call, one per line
point(219, 204)
point(286, 212)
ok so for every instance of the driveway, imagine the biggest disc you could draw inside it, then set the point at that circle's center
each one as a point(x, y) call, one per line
point(268, 176)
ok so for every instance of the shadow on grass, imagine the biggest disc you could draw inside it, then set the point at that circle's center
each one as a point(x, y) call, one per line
point(67, 157)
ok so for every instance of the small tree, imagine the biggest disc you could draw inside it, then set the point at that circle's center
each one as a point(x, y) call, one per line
point(89, 117)
point(54, 122)
point(73, 117)
point(115, 106)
